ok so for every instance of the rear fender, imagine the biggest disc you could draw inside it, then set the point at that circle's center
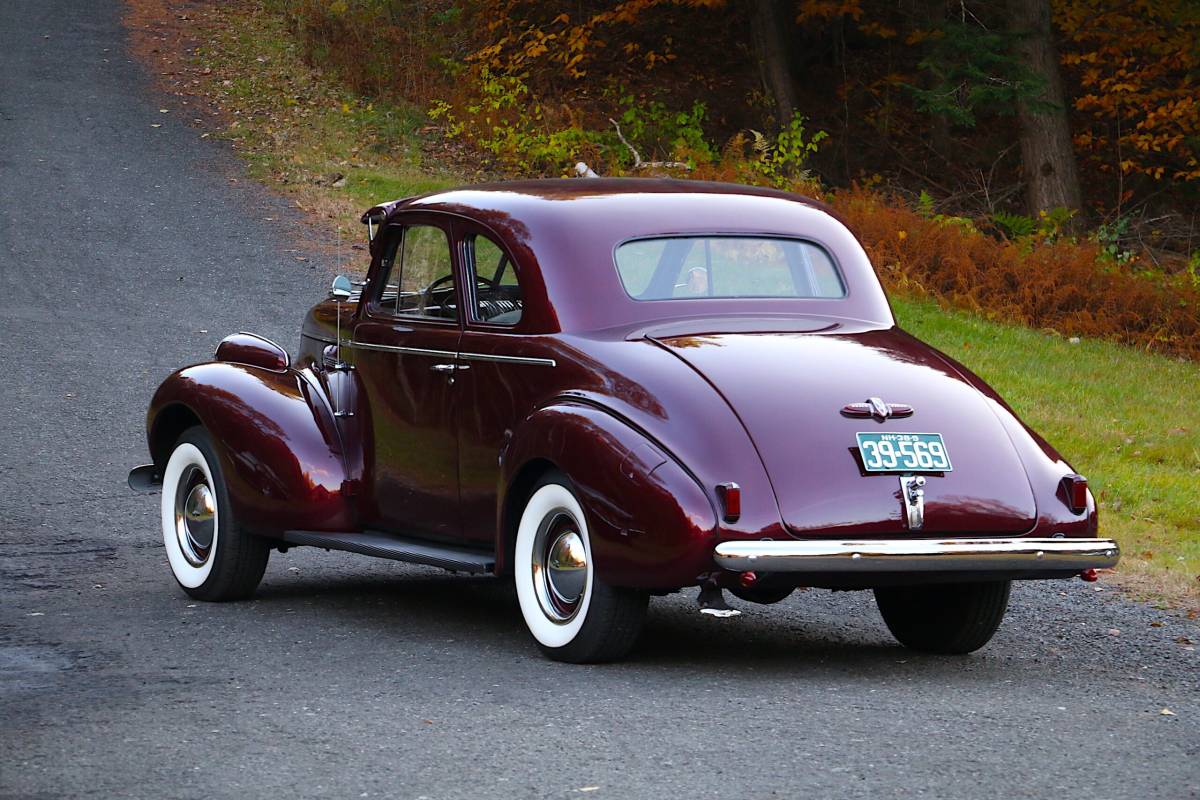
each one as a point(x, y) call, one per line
point(276, 438)
point(651, 525)
point(1044, 466)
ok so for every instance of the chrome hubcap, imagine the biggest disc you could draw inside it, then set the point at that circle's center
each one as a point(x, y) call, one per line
point(559, 567)
point(195, 516)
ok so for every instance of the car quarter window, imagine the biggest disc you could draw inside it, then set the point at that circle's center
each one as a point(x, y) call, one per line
point(498, 299)
point(419, 274)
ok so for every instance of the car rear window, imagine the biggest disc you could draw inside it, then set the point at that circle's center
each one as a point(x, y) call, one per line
point(697, 267)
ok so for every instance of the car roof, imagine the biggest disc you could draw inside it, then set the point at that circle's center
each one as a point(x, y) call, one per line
point(566, 230)
point(547, 196)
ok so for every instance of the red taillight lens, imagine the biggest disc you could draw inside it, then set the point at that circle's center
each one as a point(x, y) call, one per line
point(1075, 489)
point(730, 495)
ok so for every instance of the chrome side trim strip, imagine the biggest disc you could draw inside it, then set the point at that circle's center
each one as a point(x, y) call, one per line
point(421, 351)
point(412, 351)
point(538, 362)
point(918, 555)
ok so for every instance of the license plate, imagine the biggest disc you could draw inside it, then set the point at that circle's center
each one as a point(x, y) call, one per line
point(903, 452)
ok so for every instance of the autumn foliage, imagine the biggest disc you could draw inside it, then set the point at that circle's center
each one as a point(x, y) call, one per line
point(1138, 66)
point(1061, 286)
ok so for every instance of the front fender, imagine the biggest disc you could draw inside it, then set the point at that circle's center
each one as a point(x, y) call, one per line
point(651, 525)
point(276, 439)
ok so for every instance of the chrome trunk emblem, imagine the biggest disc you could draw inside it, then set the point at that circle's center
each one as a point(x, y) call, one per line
point(912, 492)
point(875, 407)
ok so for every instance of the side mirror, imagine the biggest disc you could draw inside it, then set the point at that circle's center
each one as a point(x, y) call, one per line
point(341, 289)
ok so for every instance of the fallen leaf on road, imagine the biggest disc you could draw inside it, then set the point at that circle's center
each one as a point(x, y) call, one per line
point(156, 125)
point(1166, 712)
point(1114, 632)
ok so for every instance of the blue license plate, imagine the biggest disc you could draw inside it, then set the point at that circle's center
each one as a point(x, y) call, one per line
point(903, 452)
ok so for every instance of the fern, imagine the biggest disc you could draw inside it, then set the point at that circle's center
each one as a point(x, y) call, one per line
point(1015, 226)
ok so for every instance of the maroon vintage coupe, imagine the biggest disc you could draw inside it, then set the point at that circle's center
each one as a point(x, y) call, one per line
point(611, 389)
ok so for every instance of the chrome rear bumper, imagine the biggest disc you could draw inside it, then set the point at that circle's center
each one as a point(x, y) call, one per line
point(919, 555)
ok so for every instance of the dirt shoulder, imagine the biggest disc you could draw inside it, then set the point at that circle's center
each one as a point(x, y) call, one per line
point(237, 74)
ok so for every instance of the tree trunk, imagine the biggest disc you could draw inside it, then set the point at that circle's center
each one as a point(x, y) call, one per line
point(770, 23)
point(1047, 155)
point(939, 139)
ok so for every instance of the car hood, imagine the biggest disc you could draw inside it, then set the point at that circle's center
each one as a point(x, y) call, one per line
point(788, 389)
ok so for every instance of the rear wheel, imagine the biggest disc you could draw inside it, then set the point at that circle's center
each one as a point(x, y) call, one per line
point(572, 615)
point(210, 557)
point(951, 618)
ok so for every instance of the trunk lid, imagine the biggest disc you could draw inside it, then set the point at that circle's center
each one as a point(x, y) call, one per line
point(789, 389)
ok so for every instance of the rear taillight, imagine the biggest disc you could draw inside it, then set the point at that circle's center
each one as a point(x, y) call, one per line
point(1075, 492)
point(730, 495)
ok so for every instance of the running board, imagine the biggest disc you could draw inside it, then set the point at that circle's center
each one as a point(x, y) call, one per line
point(379, 545)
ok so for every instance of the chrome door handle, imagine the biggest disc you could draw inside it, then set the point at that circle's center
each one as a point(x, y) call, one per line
point(443, 368)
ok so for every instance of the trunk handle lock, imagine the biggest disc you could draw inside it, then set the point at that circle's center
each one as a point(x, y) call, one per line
point(912, 492)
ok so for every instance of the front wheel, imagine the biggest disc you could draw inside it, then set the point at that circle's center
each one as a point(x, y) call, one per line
point(210, 556)
point(952, 618)
point(572, 615)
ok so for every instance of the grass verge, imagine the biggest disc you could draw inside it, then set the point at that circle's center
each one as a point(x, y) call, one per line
point(1126, 419)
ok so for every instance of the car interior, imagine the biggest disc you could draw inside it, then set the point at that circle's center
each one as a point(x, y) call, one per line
point(497, 293)
point(421, 252)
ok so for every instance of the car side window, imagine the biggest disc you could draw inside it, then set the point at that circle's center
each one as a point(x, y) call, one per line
point(419, 275)
point(498, 299)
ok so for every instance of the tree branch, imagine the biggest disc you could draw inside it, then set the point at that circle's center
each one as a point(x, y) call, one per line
point(637, 158)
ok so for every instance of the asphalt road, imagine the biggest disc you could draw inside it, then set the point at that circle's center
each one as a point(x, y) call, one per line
point(127, 250)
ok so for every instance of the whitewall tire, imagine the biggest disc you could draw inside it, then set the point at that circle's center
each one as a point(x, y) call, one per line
point(210, 557)
point(571, 614)
point(190, 518)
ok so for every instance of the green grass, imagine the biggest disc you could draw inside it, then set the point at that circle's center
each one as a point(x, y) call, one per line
point(1128, 420)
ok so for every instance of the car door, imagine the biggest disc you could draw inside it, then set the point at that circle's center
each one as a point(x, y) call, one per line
point(504, 378)
point(405, 347)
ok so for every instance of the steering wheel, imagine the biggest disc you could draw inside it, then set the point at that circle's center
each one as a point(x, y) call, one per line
point(427, 295)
